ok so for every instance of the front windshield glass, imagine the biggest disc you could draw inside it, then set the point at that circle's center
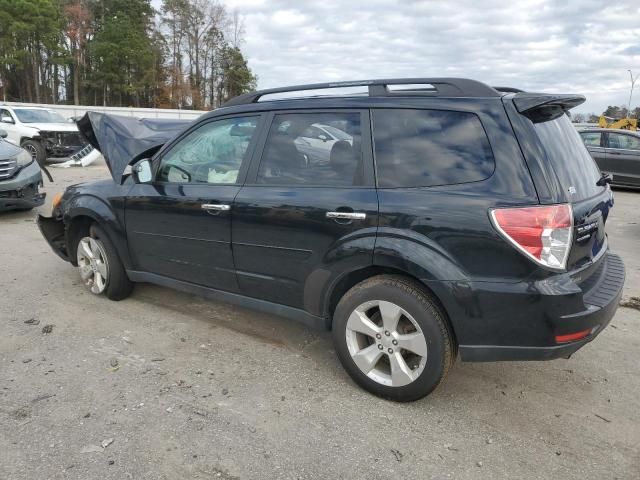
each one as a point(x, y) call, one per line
point(32, 115)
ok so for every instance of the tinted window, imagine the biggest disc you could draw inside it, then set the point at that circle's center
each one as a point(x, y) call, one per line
point(213, 153)
point(299, 152)
point(571, 161)
point(620, 140)
point(429, 147)
point(591, 139)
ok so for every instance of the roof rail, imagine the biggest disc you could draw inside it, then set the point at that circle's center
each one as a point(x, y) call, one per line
point(446, 87)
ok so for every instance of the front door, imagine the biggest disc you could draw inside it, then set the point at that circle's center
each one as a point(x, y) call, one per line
point(623, 155)
point(8, 123)
point(179, 226)
point(302, 217)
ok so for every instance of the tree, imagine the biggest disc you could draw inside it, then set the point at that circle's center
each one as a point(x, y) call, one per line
point(236, 75)
point(119, 52)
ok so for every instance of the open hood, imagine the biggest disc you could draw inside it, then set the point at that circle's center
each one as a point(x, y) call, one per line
point(125, 140)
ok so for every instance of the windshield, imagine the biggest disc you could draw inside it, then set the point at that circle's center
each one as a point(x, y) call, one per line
point(576, 170)
point(32, 115)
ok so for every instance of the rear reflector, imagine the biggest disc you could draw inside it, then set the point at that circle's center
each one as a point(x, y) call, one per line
point(572, 337)
point(542, 233)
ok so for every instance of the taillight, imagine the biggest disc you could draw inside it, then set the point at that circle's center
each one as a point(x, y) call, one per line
point(542, 233)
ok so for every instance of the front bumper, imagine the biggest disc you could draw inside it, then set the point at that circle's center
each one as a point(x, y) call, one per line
point(54, 233)
point(521, 321)
point(23, 190)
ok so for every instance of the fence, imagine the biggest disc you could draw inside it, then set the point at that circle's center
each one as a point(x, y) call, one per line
point(69, 111)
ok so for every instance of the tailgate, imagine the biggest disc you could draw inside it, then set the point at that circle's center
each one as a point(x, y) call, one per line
point(579, 176)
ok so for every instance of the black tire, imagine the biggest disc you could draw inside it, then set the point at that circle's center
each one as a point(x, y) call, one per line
point(118, 286)
point(417, 302)
point(36, 150)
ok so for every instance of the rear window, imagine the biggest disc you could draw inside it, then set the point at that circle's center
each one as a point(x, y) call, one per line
point(422, 148)
point(573, 164)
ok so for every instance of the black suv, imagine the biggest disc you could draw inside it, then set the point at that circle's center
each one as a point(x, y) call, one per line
point(416, 219)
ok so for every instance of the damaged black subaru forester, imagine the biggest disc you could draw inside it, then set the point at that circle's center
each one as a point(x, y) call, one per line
point(416, 219)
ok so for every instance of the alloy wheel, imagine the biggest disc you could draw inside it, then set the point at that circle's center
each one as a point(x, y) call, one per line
point(93, 265)
point(386, 343)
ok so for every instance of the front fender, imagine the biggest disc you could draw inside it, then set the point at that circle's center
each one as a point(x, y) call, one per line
point(104, 214)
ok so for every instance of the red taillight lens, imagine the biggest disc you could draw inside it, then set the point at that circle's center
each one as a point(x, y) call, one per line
point(542, 233)
point(572, 337)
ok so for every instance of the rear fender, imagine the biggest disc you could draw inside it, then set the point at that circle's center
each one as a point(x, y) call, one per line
point(351, 253)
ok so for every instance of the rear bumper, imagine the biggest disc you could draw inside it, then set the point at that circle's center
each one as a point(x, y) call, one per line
point(23, 190)
point(54, 233)
point(521, 321)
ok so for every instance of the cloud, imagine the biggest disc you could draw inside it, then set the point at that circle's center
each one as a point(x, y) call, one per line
point(538, 45)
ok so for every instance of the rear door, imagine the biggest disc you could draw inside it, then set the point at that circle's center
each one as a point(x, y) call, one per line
point(579, 175)
point(623, 154)
point(300, 218)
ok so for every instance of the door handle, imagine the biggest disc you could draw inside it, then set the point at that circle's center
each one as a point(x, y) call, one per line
point(347, 215)
point(218, 207)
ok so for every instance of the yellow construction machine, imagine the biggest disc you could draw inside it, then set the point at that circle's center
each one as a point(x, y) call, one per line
point(623, 123)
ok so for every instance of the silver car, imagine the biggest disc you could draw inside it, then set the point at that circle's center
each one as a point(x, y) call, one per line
point(616, 152)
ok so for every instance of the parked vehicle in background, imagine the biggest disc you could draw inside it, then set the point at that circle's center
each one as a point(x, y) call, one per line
point(616, 152)
point(446, 217)
point(43, 133)
point(317, 140)
point(20, 178)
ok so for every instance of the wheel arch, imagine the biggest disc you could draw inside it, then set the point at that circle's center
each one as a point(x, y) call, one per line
point(81, 213)
point(351, 279)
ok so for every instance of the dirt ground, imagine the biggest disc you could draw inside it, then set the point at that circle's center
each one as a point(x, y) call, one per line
point(165, 385)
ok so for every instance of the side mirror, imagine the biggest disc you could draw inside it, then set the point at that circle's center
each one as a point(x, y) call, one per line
point(3, 134)
point(142, 172)
point(7, 119)
point(324, 138)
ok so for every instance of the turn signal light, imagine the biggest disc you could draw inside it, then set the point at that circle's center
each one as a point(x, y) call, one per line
point(57, 198)
point(542, 233)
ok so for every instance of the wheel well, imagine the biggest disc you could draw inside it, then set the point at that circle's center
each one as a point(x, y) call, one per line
point(79, 227)
point(353, 278)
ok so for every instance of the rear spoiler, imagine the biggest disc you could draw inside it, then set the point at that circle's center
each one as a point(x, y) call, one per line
point(124, 140)
point(541, 107)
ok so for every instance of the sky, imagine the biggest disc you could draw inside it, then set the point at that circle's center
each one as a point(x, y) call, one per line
point(563, 46)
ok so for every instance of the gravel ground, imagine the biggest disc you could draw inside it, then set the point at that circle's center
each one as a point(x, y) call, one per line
point(165, 385)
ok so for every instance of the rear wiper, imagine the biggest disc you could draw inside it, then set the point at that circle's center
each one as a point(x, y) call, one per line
point(605, 178)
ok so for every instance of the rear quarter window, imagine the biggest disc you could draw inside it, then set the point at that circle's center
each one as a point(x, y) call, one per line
point(574, 166)
point(423, 148)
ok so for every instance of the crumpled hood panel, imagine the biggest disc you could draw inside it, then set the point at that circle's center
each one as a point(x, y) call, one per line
point(124, 140)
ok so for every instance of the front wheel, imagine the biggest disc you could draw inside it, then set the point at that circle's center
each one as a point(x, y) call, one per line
point(100, 267)
point(392, 338)
point(36, 150)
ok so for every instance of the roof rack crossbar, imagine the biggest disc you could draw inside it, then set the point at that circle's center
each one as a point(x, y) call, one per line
point(450, 87)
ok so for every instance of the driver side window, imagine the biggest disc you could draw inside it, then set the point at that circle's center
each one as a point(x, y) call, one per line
point(213, 153)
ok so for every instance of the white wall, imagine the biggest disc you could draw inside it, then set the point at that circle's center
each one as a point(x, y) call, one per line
point(68, 111)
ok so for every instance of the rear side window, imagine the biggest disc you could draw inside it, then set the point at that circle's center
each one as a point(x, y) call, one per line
point(574, 166)
point(591, 139)
point(313, 149)
point(623, 141)
point(422, 148)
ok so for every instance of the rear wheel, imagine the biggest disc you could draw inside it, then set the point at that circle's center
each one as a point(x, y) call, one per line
point(392, 338)
point(100, 267)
